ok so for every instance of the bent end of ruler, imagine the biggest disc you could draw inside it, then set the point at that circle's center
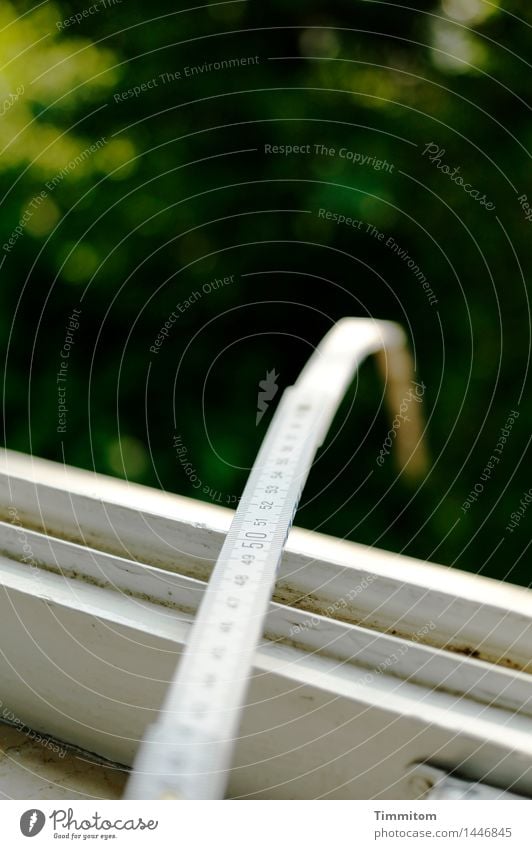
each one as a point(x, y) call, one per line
point(405, 402)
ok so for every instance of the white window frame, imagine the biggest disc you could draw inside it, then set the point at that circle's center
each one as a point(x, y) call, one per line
point(372, 663)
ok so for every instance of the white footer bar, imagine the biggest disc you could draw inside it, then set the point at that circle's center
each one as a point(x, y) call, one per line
point(360, 824)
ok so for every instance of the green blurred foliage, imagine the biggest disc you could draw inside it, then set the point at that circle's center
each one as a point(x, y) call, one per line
point(180, 192)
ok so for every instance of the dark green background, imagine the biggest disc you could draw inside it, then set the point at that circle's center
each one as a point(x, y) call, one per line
point(195, 197)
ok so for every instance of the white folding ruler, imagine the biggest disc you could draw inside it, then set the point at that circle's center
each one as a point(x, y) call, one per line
point(187, 753)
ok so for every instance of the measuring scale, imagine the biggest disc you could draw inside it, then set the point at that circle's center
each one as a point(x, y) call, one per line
point(187, 752)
